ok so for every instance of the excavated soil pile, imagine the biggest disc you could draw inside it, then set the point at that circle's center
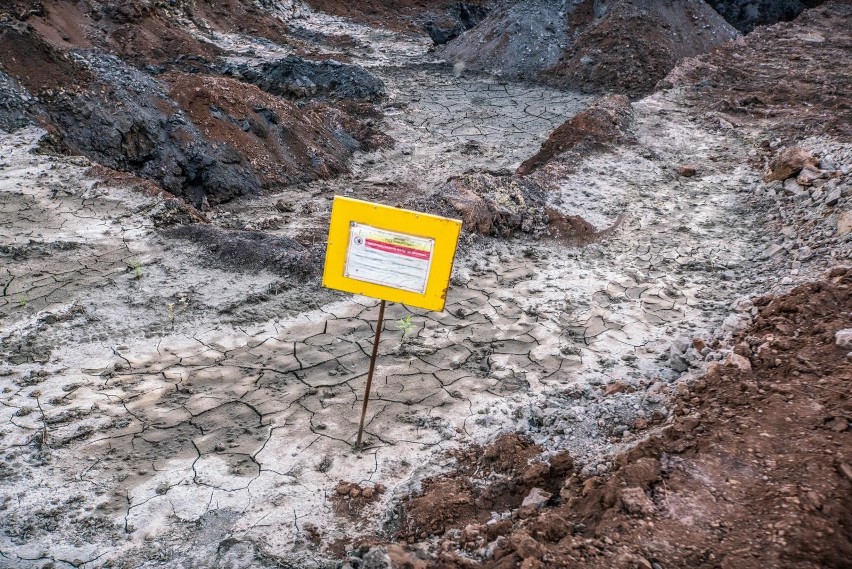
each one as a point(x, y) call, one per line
point(791, 78)
point(629, 46)
point(607, 121)
point(132, 29)
point(145, 32)
point(754, 471)
point(282, 142)
point(199, 135)
point(594, 46)
point(501, 205)
point(745, 15)
point(512, 466)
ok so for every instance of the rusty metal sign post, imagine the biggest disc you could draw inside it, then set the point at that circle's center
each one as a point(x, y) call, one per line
point(376, 340)
point(392, 254)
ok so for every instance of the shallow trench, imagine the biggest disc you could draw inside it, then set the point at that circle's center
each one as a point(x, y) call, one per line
point(152, 400)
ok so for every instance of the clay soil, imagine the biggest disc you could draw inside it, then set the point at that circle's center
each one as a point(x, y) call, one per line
point(754, 472)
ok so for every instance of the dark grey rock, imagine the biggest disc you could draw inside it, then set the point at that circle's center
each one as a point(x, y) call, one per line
point(745, 15)
point(126, 128)
point(463, 17)
point(14, 100)
point(297, 78)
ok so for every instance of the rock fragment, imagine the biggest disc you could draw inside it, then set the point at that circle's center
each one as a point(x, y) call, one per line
point(790, 162)
point(808, 176)
point(687, 170)
point(536, 499)
point(635, 501)
point(738, 361)
point(843, 338)
point(844, 223)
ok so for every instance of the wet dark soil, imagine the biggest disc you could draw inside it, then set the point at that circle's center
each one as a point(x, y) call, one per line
point(253, 250)
point(297, 78)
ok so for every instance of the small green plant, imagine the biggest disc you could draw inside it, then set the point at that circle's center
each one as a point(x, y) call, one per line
point(136, 267)
point(405, 325)
point(23, 300)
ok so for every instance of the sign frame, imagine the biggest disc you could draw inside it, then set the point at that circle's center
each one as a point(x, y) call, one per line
point(444, 231)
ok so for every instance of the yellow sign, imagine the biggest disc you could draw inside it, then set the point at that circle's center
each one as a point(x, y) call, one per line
point(390, 253)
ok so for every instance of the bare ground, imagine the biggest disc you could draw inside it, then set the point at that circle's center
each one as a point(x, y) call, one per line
point(164, 406)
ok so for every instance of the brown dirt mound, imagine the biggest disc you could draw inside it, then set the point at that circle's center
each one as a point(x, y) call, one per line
point(283, 143)
point(142, 31)
point(138, 30)
point(37, 65)
point(635, 44)
point(623, 46)
point(790, 78)
point(511, 466)
point(505, 206)
point(606, 121)
point(755, 471)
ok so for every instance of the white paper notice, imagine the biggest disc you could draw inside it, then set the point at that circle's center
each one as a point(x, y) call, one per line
point(388, 258)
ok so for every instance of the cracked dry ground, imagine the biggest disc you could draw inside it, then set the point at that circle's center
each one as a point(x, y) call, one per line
point(142, 422)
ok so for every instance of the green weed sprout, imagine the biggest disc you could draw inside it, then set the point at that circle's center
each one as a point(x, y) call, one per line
point(405, 325)
point(137, 269)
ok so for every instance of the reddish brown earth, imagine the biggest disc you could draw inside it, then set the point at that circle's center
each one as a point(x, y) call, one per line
point(790, 79)
point(143, 32)
point(132, 29)
point(606, 121)
point(753, 472)
point(635, 44)
point(37, 64)
point(350, 498)
point(298, 144)
point(512, 466)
